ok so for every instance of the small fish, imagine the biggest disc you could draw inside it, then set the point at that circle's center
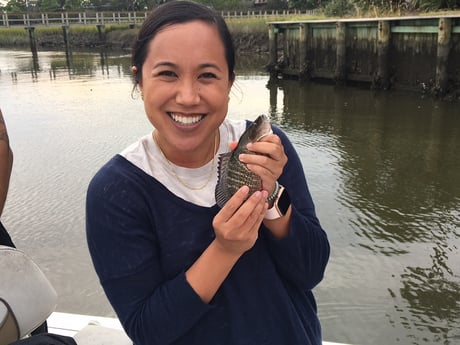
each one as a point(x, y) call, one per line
point(232, 173)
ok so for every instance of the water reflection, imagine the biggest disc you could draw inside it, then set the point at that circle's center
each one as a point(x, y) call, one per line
point(383, 170)
point(75, 64)
point(397, 158)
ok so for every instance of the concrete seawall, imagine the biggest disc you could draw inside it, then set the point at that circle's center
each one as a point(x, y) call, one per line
point(417, 53)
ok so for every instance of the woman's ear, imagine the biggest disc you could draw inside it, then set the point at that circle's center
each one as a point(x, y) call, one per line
point(134, 72)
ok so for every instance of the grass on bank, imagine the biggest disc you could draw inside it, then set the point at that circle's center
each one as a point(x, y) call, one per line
point(53, 35)
point(15, 36)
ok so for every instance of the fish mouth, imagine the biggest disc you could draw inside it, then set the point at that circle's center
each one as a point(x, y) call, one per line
point(264, 134)
point(186, 120)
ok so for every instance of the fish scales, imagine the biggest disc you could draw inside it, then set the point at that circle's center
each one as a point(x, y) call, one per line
point(232, 173)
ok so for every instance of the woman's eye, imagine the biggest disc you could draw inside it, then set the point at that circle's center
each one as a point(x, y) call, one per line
point(208, 75)
point(167, 74)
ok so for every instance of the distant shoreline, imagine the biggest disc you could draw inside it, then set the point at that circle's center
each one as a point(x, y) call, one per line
point(246, 39)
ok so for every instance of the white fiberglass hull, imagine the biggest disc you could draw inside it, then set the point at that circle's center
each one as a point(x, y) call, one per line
point(71, 324)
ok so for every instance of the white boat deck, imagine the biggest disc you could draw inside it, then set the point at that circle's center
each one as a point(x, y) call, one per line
point(69, 324)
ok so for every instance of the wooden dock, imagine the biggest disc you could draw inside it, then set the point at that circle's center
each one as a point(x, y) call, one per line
point(117, 17)
point(421, 53)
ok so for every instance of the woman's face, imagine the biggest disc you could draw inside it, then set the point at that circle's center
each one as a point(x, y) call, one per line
point(185, 85)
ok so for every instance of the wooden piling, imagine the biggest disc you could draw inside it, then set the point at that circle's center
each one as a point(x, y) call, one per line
point(272, 48)
point(65, 36)
point(341, 58)
point(382, 77)
point(442, 56)
point(101, 33)
point(273, 96)
point(303, 41)
point(33, 41)
point(68, 53)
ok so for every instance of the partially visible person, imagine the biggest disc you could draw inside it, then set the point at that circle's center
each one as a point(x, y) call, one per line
point(176, 267)
point(6, 165)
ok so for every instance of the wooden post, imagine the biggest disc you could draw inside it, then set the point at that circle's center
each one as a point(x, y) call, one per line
point(273, 87)
point(303, 42)
point(32, 40)
point(442, 58)
point(382, 77)
point(341, 58)
point(101, 33)
point(68, 53)
point(65, 35)
point(272, 48)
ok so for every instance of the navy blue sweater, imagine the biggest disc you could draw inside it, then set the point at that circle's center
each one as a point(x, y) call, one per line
point(142, 239)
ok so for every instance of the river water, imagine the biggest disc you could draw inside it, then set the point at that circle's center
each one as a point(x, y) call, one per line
point(383, 169)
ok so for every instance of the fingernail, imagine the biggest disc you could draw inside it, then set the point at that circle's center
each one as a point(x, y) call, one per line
point(244, 189)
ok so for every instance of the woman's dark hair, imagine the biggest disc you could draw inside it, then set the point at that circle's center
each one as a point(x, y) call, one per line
point(176, 12)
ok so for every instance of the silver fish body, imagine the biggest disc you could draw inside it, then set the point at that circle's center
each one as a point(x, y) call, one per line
point(232, 173)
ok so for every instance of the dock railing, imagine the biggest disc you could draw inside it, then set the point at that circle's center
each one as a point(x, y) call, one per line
point(116, 18)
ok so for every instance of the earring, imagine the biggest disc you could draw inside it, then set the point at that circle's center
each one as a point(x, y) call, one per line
point(142, 95)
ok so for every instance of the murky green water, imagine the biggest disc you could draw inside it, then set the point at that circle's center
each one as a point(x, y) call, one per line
point(383, 170)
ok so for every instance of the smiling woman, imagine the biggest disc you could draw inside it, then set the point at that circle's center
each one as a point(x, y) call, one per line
point(191, 89)
point(176, 267)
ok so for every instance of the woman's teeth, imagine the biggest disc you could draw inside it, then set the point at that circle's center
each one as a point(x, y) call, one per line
point(186, 120)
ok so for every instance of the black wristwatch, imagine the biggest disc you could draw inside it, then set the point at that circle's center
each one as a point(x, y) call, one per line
point(280, 205)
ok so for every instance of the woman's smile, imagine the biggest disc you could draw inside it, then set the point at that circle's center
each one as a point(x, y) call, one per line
point(186, 120)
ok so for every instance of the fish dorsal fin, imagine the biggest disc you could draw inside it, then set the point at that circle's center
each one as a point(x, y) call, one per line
point(221, 192)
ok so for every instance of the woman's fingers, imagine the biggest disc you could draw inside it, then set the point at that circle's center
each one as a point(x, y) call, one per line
point(269, 162)
point(236, 225)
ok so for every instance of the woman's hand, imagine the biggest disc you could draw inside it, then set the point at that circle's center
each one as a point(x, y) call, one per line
point(270, 161)
point(236, 227)
point(237, 224)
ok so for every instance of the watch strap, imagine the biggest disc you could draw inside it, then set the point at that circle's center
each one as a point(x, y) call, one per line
point(275, 212)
